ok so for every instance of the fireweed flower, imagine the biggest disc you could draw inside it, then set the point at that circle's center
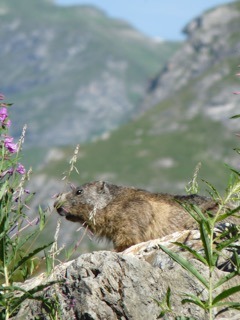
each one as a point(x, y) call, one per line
point(20, 169)
point(8, 143)
point(7, 123)
point(3, 114)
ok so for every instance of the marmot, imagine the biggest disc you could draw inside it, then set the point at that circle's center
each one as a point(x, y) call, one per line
point(127, 215)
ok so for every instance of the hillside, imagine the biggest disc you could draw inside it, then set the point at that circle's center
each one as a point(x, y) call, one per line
point(184, 120)
point(73, 72)
point(190, 120)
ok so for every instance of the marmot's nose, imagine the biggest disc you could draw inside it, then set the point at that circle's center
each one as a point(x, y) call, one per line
point(57, 203)
point(61, 211)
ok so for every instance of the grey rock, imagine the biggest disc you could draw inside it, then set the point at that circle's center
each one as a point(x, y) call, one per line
point(108, 285)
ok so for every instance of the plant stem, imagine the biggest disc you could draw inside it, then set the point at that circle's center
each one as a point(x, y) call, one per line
point(210, 291)
point(7, 285)
point(212, 266)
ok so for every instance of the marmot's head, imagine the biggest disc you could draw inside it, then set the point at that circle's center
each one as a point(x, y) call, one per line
point(79, 204)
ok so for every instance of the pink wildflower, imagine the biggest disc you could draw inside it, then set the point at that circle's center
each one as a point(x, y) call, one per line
point(20, 169)
point(7, 123)
point(3, 114)
point(236, 92)
point(8, 143)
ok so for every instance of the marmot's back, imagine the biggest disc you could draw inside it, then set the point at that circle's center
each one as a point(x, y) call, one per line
point(127, 215)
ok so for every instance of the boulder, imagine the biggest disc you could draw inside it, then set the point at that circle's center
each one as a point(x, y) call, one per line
point(128, 285)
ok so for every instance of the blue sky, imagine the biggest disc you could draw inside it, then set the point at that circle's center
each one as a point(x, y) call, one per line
point(156, 18)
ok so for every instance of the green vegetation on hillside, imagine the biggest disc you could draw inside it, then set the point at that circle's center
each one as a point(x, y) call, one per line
point(67, 65)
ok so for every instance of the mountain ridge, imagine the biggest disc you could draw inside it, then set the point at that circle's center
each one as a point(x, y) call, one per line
point(205, 49)
point(73, 72)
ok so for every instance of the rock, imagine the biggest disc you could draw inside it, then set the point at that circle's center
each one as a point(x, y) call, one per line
point(109, 285)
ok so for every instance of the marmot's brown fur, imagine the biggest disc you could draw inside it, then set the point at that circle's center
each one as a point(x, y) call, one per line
point(127, 215)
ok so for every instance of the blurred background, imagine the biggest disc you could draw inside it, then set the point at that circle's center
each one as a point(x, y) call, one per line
point(146, 89)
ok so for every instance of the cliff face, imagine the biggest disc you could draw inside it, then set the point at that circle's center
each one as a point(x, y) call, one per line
point(73, 72)
point(206, 64)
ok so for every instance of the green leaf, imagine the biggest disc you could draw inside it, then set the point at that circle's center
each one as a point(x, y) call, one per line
point(24, 240)
point(237, 150)
point(236, 116)
point(29, 256)
point(206, 244)
point(237, 261)
point(229, 213)
point(3, 189)
point(49, 262)
point(225, 294)
point(197, 255)
point(42, 219)
point(186, 265)
point(190, 210)
point(233, 305)
point(226, 243)
point(194, 299)
point(225, 279)
point(30, 294)
point(213, 191)
point(168, 298)
point(199, 213)
point(233, 170)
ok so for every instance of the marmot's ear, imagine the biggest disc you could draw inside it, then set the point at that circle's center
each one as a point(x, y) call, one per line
point(103, 187)
point(72, 186)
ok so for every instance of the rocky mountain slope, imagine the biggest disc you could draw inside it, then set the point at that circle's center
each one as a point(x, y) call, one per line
point(206, 63)
point(73, 72)
point(190, 120)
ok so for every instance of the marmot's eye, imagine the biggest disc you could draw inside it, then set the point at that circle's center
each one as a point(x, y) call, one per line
point(79, 191)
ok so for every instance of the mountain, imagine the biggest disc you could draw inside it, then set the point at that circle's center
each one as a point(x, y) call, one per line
point(184, 120)
point(72, 72)
point(206, 64)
